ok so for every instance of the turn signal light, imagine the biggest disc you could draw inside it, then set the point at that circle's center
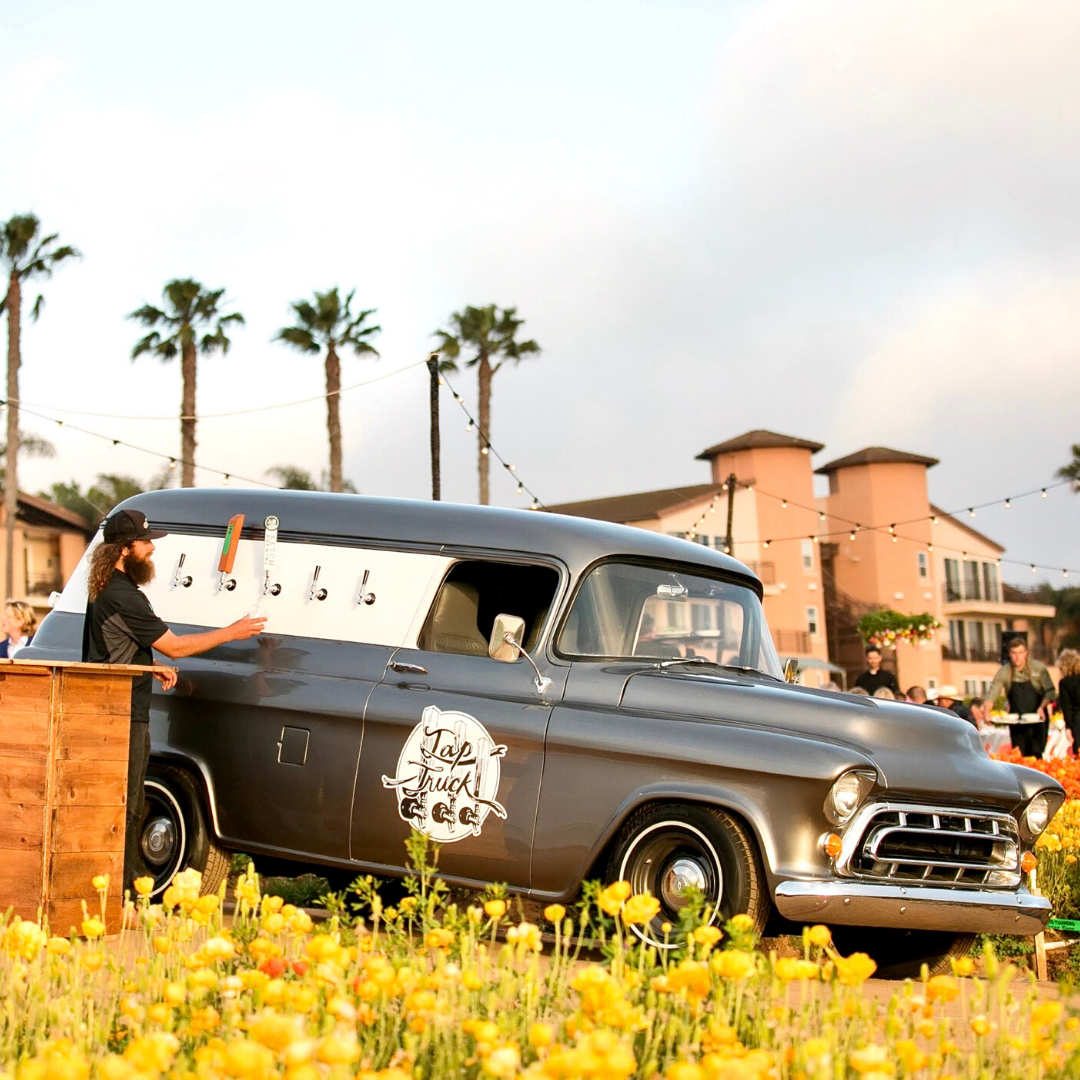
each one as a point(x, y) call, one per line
point(832, 845)
point(1028, 862)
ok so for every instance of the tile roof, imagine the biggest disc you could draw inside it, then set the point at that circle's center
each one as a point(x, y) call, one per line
point(640, 506)
point(877, 455)
point(760, 439)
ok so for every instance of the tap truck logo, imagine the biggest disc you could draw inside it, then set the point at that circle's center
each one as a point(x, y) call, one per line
point(448, 776)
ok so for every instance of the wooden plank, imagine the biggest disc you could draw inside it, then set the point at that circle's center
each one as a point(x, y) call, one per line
point(66, 915)
point(87, 828)
point(23, 729)
point(76, 665)
point(20, 882)
point(22, 779)
point(81, 691)
point(70, 874)
point(102, 738)
point(25, 692)
point(90, 783)
point(22, 828)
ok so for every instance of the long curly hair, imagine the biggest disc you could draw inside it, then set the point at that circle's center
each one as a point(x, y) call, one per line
point(102, 563)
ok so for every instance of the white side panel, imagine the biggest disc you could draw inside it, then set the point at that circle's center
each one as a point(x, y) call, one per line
point(404, 584)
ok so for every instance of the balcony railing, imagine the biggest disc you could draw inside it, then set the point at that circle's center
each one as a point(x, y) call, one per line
point(791, 641)
point(43, 584)
point(972, 654)
point(952, 591)
point(764, 570)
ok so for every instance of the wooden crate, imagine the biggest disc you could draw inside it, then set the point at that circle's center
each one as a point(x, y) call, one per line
point(63, 787)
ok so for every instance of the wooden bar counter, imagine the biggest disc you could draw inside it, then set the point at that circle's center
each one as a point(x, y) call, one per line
point(63, 787)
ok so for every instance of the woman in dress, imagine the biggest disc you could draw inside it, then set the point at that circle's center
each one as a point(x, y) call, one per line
point(19, 623)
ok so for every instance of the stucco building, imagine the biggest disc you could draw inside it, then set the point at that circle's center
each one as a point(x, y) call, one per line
point(874, 541)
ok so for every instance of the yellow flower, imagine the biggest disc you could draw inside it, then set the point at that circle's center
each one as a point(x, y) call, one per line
point(733, 964)
point(439, 938)
point(684, 1070)
point(964, 967)
point(819, 935)
point(162, 945)
point(613, 897)
point(100, 882)
point(742, 923)
point(980, 1025)
point(339, 1049)
point(92, 960)
point(93, 927)
point(707, 935)
point(640, 909)
point(788, 969)
point(870, 1059)
point(144, 886)
point(1046, 1014)
point(913, 1058)
point(408, 905)
point(554, 913)
point(58, 946)
point(248, 1060)
point(495, 909)
point(218, 948)
point(525, 934)
point(541, 1035)
point(942, 988)
point(855, 969)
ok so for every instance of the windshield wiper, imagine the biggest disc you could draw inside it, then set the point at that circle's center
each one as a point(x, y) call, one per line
point(742, 668)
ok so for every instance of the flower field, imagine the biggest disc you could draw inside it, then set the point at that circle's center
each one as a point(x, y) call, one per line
point(434, 989)
point(1059, 847)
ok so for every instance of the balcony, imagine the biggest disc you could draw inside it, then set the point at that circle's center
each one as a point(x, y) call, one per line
point(43, 584)
point(972, 654)
point(952, 591)
point(766, 571)
point(792, 642)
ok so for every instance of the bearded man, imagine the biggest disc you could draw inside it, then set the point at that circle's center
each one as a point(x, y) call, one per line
point(121, 628)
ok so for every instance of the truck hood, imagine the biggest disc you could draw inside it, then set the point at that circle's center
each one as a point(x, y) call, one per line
point(919, 751)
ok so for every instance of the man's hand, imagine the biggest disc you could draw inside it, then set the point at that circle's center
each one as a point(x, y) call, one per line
point(246, 627)
point(166, 676)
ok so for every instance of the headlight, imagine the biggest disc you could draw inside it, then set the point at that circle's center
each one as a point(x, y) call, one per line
point(845, 796)
point(1037, 815)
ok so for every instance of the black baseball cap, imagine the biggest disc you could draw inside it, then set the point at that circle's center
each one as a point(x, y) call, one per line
point(127, 525)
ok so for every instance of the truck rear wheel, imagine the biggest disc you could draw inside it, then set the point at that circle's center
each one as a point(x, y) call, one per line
point(900, 954)
point(174, 835)
point(666, 850)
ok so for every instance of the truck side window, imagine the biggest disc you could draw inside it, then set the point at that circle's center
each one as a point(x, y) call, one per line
point(473, 593)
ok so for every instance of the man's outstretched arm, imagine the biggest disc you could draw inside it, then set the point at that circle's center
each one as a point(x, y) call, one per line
point(176, 646)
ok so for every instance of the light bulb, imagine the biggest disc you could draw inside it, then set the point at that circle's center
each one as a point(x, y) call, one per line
point(851, 535)
point(821, 515)
point(723, 487)
point(469, 426)
point(971, 511)
point(895, 539)
point(1064, 573)
point(934, 520)
point(442, 381)
point(1008, 504)
point(225, 480)
point(172, 463)
point(964, 555)
point(1044, 493)
point(458, 398)
point(116, 442)
point(520, 489)
point(749, 487)
point(484, 450)
point(1034, 570)
point(815, 539)
point(783, 504)
point(512, 468)
point(535, 505)
point(712, 509)
point(930, 547)
point(766, 543)
point(892, 530)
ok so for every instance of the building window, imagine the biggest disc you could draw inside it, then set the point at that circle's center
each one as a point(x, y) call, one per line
point(972, 584)
point(931, 684)
point(992, 587)
point(952, 579)
point(924, 565)
point(812, 621)
point(808, 555)
point(971, 687)
point(957, 640)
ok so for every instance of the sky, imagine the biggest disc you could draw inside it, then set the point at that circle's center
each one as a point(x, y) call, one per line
point(853, 223)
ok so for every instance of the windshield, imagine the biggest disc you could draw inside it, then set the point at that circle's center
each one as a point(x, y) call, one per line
point(626, 610)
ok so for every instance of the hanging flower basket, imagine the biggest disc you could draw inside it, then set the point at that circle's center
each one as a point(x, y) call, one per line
point(886, 628)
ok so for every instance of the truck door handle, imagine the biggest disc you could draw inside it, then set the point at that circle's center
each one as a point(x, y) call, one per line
point(408, 669)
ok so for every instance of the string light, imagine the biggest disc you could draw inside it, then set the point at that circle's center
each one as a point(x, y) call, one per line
point(895, 539)
point(971, 511)
point(1008, 504)
point(815, 539)
point(520, 490)
point(783, 504)
point(1034, 568)
point(851, 535)
point(484, 450)
point(172, 463)
point(934, 520)
point(892, 530)
point(766, 543)
point(225, 480)
point(821, 515)
point(1064, 573)
point(1043, 492)
point(116, 442)
point(965, 555)
point(469, 426)
point(930, 547)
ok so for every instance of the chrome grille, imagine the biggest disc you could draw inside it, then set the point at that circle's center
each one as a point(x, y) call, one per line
point(933, 845)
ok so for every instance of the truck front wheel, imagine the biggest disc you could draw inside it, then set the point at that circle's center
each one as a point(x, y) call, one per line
point(667, 851)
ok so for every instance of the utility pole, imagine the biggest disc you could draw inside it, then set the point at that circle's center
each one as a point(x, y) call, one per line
point(436, 477)
point(729, 540)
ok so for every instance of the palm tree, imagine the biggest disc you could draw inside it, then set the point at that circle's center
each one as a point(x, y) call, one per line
point(332, 324)
point(191, 308)
point(1071, 472)
point(491, 334)
point(292, 478)
point(26, 255)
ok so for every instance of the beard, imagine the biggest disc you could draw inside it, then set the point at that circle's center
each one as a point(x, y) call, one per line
point(141, 571)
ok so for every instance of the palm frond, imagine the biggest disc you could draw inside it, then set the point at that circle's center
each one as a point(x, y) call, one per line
point(35, 311)
point(299, 338)
point(149, 315)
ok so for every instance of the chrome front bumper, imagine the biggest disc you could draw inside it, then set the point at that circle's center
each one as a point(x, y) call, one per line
point(852, 903)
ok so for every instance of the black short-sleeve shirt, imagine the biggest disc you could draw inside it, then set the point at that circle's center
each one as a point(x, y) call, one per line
point(120, 627)
point(871, 681)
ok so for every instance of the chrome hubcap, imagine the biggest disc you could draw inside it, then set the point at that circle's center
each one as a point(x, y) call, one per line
point(158, 840)
point(683, 874)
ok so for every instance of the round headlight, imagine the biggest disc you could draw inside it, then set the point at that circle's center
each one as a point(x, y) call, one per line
point(1037, 814)
point(844, 797)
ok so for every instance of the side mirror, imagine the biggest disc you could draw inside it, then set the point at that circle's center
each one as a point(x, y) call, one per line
point(507, 634)
point(791, 669)
point(506, 637)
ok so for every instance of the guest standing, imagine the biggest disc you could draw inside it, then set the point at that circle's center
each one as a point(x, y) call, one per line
point(18, 622)
point(1069, 693)
point(874, 677)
